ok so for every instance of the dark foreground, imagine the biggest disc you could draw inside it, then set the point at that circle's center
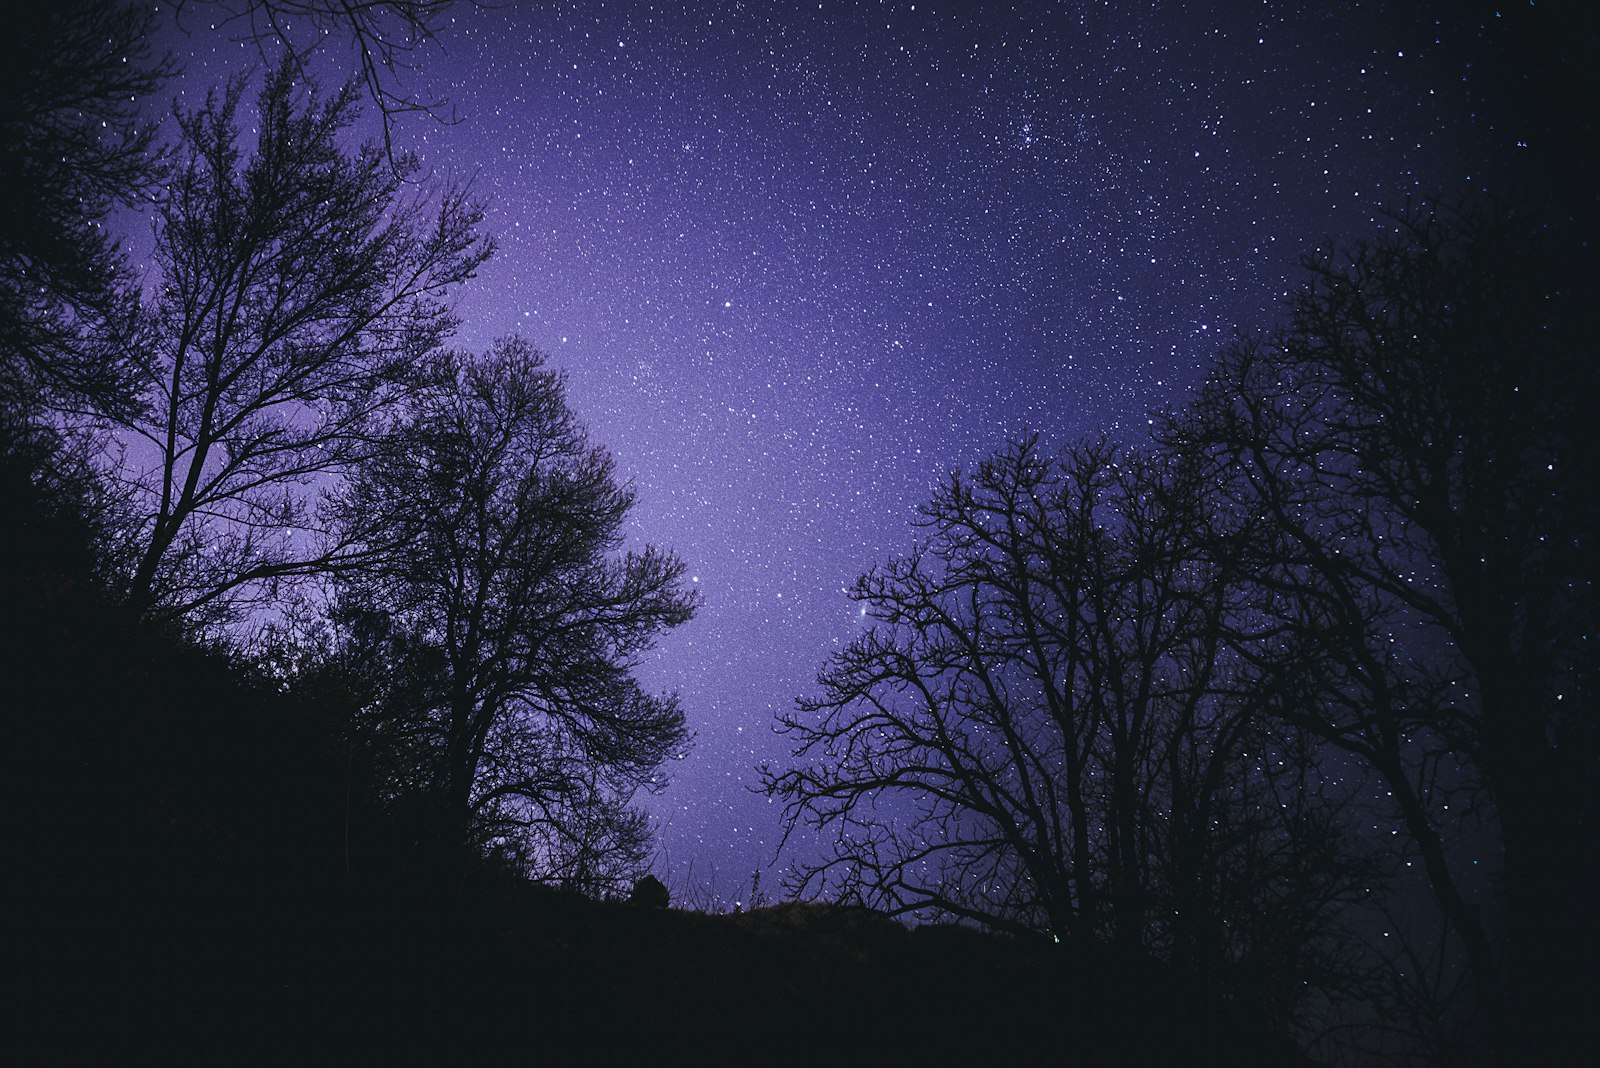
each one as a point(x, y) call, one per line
point(194, 878)
point(553, 979)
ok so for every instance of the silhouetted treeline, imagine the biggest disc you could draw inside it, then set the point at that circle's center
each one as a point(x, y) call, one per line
point(1223, 696)
point(203, 868)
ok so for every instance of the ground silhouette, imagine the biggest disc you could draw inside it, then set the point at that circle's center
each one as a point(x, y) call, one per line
point(196, 880)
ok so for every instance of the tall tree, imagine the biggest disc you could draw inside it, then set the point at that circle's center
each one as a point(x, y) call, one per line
point(296, 289)
point(501, 631)
point(1417, 438)
point(1046, 732)
point(72, 149)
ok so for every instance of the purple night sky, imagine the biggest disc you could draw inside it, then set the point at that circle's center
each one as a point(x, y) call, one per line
point(800, 260)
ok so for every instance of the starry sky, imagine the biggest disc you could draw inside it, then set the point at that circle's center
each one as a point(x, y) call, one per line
point(798, 261)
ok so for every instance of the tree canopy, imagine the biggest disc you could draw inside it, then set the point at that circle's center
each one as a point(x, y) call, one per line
point(1414, 439)
point(1163, 698)
point(1047, 732)
point(499, 623)
point(72, 148)
point(297, 287)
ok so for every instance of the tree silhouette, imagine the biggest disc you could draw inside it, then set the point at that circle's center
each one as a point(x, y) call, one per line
point(71, 149)
point(382, 35)
point(497, 628)
point(295, 290)
point(1046, 732)
point(1415, 438)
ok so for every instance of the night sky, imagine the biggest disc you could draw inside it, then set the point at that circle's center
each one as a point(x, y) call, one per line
point(799, 261)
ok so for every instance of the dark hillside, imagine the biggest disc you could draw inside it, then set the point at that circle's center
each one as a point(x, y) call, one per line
point(196, 879)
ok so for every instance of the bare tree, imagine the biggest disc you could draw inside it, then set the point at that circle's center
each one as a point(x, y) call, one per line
point(296, 288)
point(72, 148)
point(382, 35)
point(499, 602)
point(1046, 731)
point(1416, 439)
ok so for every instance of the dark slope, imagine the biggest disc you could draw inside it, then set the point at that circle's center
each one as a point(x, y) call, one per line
point(194, 878)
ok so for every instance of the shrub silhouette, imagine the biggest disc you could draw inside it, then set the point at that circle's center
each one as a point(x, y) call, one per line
point(649, 892)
